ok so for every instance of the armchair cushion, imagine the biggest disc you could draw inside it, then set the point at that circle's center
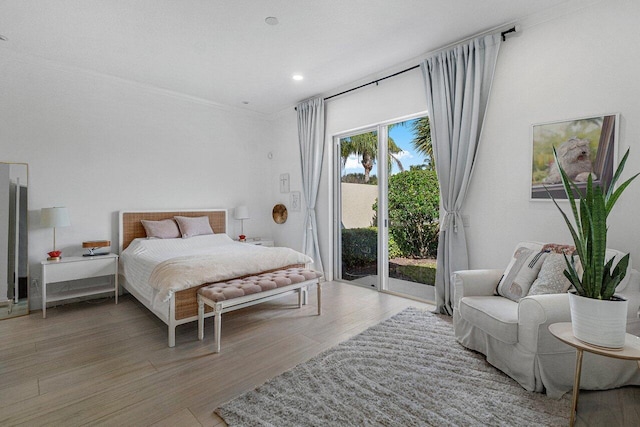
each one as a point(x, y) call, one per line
point(495, 315)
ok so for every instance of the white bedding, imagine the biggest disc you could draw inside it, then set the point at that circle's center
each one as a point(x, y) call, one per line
point(142, 257)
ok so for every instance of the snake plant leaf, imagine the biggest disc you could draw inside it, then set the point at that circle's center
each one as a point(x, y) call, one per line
point(609, 280)
point(617, 174)
point(590, 211)
point(615, 277)
point(572, 275)
point(599, 238)
point(611, 201)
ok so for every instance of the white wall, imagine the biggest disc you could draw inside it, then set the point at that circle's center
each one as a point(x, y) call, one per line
point(584, 63)
point(99, 145)
point(286, 159)
point(391, 99)
point(564, 64)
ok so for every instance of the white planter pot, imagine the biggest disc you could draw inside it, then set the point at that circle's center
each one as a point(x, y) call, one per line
point(599, 322)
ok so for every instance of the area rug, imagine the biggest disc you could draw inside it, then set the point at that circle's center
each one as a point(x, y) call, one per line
point(406, 371)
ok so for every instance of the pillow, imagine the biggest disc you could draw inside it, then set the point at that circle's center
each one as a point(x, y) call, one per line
point(193, 226)
point(521, 273)
point(551, 278)
point(165, 229)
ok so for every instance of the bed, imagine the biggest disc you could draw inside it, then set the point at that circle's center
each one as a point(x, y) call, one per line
point(142, 258)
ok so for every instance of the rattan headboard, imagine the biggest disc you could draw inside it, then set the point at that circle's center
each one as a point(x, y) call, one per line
point(131, 227)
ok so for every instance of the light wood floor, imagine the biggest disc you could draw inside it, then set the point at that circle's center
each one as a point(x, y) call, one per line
point(98, 363)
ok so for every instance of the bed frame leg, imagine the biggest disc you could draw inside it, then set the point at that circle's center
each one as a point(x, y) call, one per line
point(200, 319)
point(319, 289)
point(172, 335)
point(217, 328)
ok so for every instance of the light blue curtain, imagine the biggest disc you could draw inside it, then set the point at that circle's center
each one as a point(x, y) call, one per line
point(458, 82)
point(311, 137)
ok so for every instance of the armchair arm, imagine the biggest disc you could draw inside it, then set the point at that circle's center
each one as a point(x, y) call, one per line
point(535, 314)
point(632, 294)
point(474, 283)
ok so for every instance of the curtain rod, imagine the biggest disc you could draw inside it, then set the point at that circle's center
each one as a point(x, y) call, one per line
point(503, 34)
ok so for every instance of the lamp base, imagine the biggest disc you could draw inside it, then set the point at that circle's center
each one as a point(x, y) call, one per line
point(53, 258)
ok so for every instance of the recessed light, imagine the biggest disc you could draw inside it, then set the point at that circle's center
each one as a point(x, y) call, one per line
point(3, 38)
point(271, 20)
point(245, 102)
point(297, 77)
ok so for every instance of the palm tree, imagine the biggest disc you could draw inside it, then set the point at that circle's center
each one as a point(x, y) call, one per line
point(365, 146)
point(422, 140)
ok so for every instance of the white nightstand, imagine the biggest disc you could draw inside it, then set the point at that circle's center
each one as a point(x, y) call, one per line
point(258, 241)
point(74, 268)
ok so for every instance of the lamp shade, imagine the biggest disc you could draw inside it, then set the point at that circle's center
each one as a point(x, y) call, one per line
point(242, 212)
point(55, 217)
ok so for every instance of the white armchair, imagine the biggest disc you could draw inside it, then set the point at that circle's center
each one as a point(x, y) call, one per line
point(515, 338)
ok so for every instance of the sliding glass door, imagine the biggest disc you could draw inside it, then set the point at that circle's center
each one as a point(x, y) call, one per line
point(387, 208)
point(358, 190)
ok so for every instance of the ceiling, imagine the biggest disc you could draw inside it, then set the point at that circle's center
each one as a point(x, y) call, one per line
point(222, 51)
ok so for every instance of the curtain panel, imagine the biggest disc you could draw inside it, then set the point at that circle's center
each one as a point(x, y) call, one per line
point(311, 127)
point(458, 83)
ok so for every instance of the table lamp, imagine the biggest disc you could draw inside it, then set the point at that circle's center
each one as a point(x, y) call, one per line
point(53, 218)
point(242, 213)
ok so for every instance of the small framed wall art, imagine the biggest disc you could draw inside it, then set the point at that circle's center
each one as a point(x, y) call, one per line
point(585, 146)
point(294, 201)
point(284, 182)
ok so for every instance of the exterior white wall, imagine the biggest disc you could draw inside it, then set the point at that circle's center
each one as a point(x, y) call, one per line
point(99, 145)
point(357, 200)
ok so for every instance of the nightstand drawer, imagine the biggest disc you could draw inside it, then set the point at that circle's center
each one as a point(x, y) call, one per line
point(83, 269)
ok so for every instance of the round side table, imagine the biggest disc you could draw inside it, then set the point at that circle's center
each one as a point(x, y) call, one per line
point(564, 332)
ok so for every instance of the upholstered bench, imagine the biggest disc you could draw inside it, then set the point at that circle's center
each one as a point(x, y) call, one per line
point(239, 293)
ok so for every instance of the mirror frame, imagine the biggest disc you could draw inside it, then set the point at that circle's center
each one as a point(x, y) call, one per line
point(11, 306)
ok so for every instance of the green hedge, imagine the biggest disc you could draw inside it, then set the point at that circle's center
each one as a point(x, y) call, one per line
point(414, 208)
point(360, 246)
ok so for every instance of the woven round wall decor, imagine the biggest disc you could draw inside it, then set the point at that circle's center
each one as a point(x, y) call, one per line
point(279, 213)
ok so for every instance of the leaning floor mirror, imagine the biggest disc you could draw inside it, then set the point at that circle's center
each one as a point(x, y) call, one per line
point(14, 262)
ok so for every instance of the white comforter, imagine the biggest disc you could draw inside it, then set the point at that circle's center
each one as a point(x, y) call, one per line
point(170, 265)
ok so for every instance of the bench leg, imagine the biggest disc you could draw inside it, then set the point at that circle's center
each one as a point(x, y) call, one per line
point(200, 319)
point(217, 328)
point(305, 295)
point(300, 295)
point(319, 289)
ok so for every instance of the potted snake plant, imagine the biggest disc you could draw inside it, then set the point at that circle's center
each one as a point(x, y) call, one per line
point(593, 303)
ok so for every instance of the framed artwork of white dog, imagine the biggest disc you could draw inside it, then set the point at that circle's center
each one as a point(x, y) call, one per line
point(585, 146)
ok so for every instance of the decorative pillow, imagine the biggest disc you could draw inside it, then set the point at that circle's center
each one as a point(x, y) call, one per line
point(165, 229)
point(521, 273)
point(551, 278)
point(193, 226)
point(559, 249)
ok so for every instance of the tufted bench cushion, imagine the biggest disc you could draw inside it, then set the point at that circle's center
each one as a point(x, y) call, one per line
point(254, 284)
